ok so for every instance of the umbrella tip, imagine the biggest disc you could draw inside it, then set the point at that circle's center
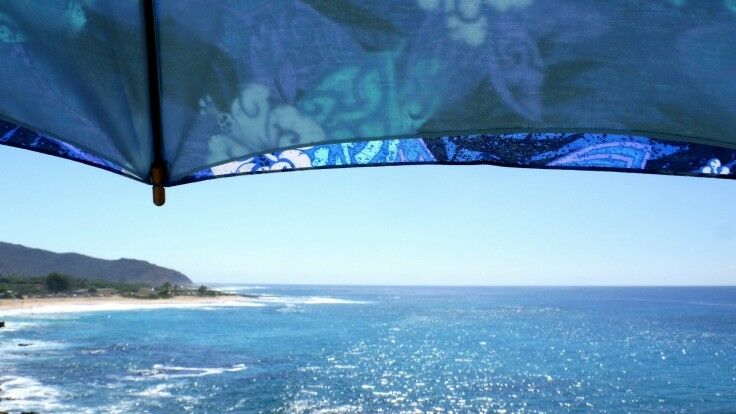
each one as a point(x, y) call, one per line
point(159, 195)
point(158, 177)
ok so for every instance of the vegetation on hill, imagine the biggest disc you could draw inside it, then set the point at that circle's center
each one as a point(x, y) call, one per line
point(205, 291)
point(56, 284)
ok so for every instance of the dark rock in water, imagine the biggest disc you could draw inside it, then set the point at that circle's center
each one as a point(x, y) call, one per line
point(24, 344)
point(2, 324)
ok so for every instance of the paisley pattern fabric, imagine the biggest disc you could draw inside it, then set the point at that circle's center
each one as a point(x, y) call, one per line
point(272, 85)
point(604, 152)
point(19, 137)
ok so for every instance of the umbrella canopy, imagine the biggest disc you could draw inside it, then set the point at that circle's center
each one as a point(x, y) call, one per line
point(175, 91)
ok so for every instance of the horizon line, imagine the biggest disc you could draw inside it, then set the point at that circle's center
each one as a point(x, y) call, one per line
point(461, 285)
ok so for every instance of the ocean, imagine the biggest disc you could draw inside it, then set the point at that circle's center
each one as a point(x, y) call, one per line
point(330, 349)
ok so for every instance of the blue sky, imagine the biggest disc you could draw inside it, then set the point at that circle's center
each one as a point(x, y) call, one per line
point(397, 225)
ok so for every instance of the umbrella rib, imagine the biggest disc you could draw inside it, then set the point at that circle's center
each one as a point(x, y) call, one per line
point(159, 168)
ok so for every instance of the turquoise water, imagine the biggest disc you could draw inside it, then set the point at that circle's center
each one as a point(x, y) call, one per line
point(372, 349)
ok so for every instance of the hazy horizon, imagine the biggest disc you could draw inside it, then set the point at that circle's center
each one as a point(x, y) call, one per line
point(255, 284)
point(266, 284)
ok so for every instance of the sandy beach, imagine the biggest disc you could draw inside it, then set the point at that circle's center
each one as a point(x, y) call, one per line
point(31, 306)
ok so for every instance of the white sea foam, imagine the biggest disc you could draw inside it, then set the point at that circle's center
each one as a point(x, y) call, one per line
point(27, 394)
point(15, 326)
point(94, 351)
point(306, 300)
point(238, 288)
point(317, 300)
point(164, 391)
point(121, 407)
point(156, 391)
point(49, 309)
point(165, 372)
point(290, 308)
point(20, 348)
point(52, 310)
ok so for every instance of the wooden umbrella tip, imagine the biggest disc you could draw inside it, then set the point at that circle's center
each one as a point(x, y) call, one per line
point(158, 179)
point(159, 195)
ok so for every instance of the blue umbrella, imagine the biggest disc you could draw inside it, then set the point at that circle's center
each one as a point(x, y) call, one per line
point(169, 92)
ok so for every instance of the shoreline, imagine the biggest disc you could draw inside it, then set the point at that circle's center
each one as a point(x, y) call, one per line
point(35, 306)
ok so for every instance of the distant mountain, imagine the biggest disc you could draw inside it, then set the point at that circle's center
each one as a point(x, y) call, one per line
point(24, 261)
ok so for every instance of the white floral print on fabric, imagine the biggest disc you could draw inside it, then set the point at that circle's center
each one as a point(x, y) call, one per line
point(730, 4)
point(253, 124)
point(76, 18)
point(287, 160)
point(715, 167)
point(9, 32)
point(465, 19)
